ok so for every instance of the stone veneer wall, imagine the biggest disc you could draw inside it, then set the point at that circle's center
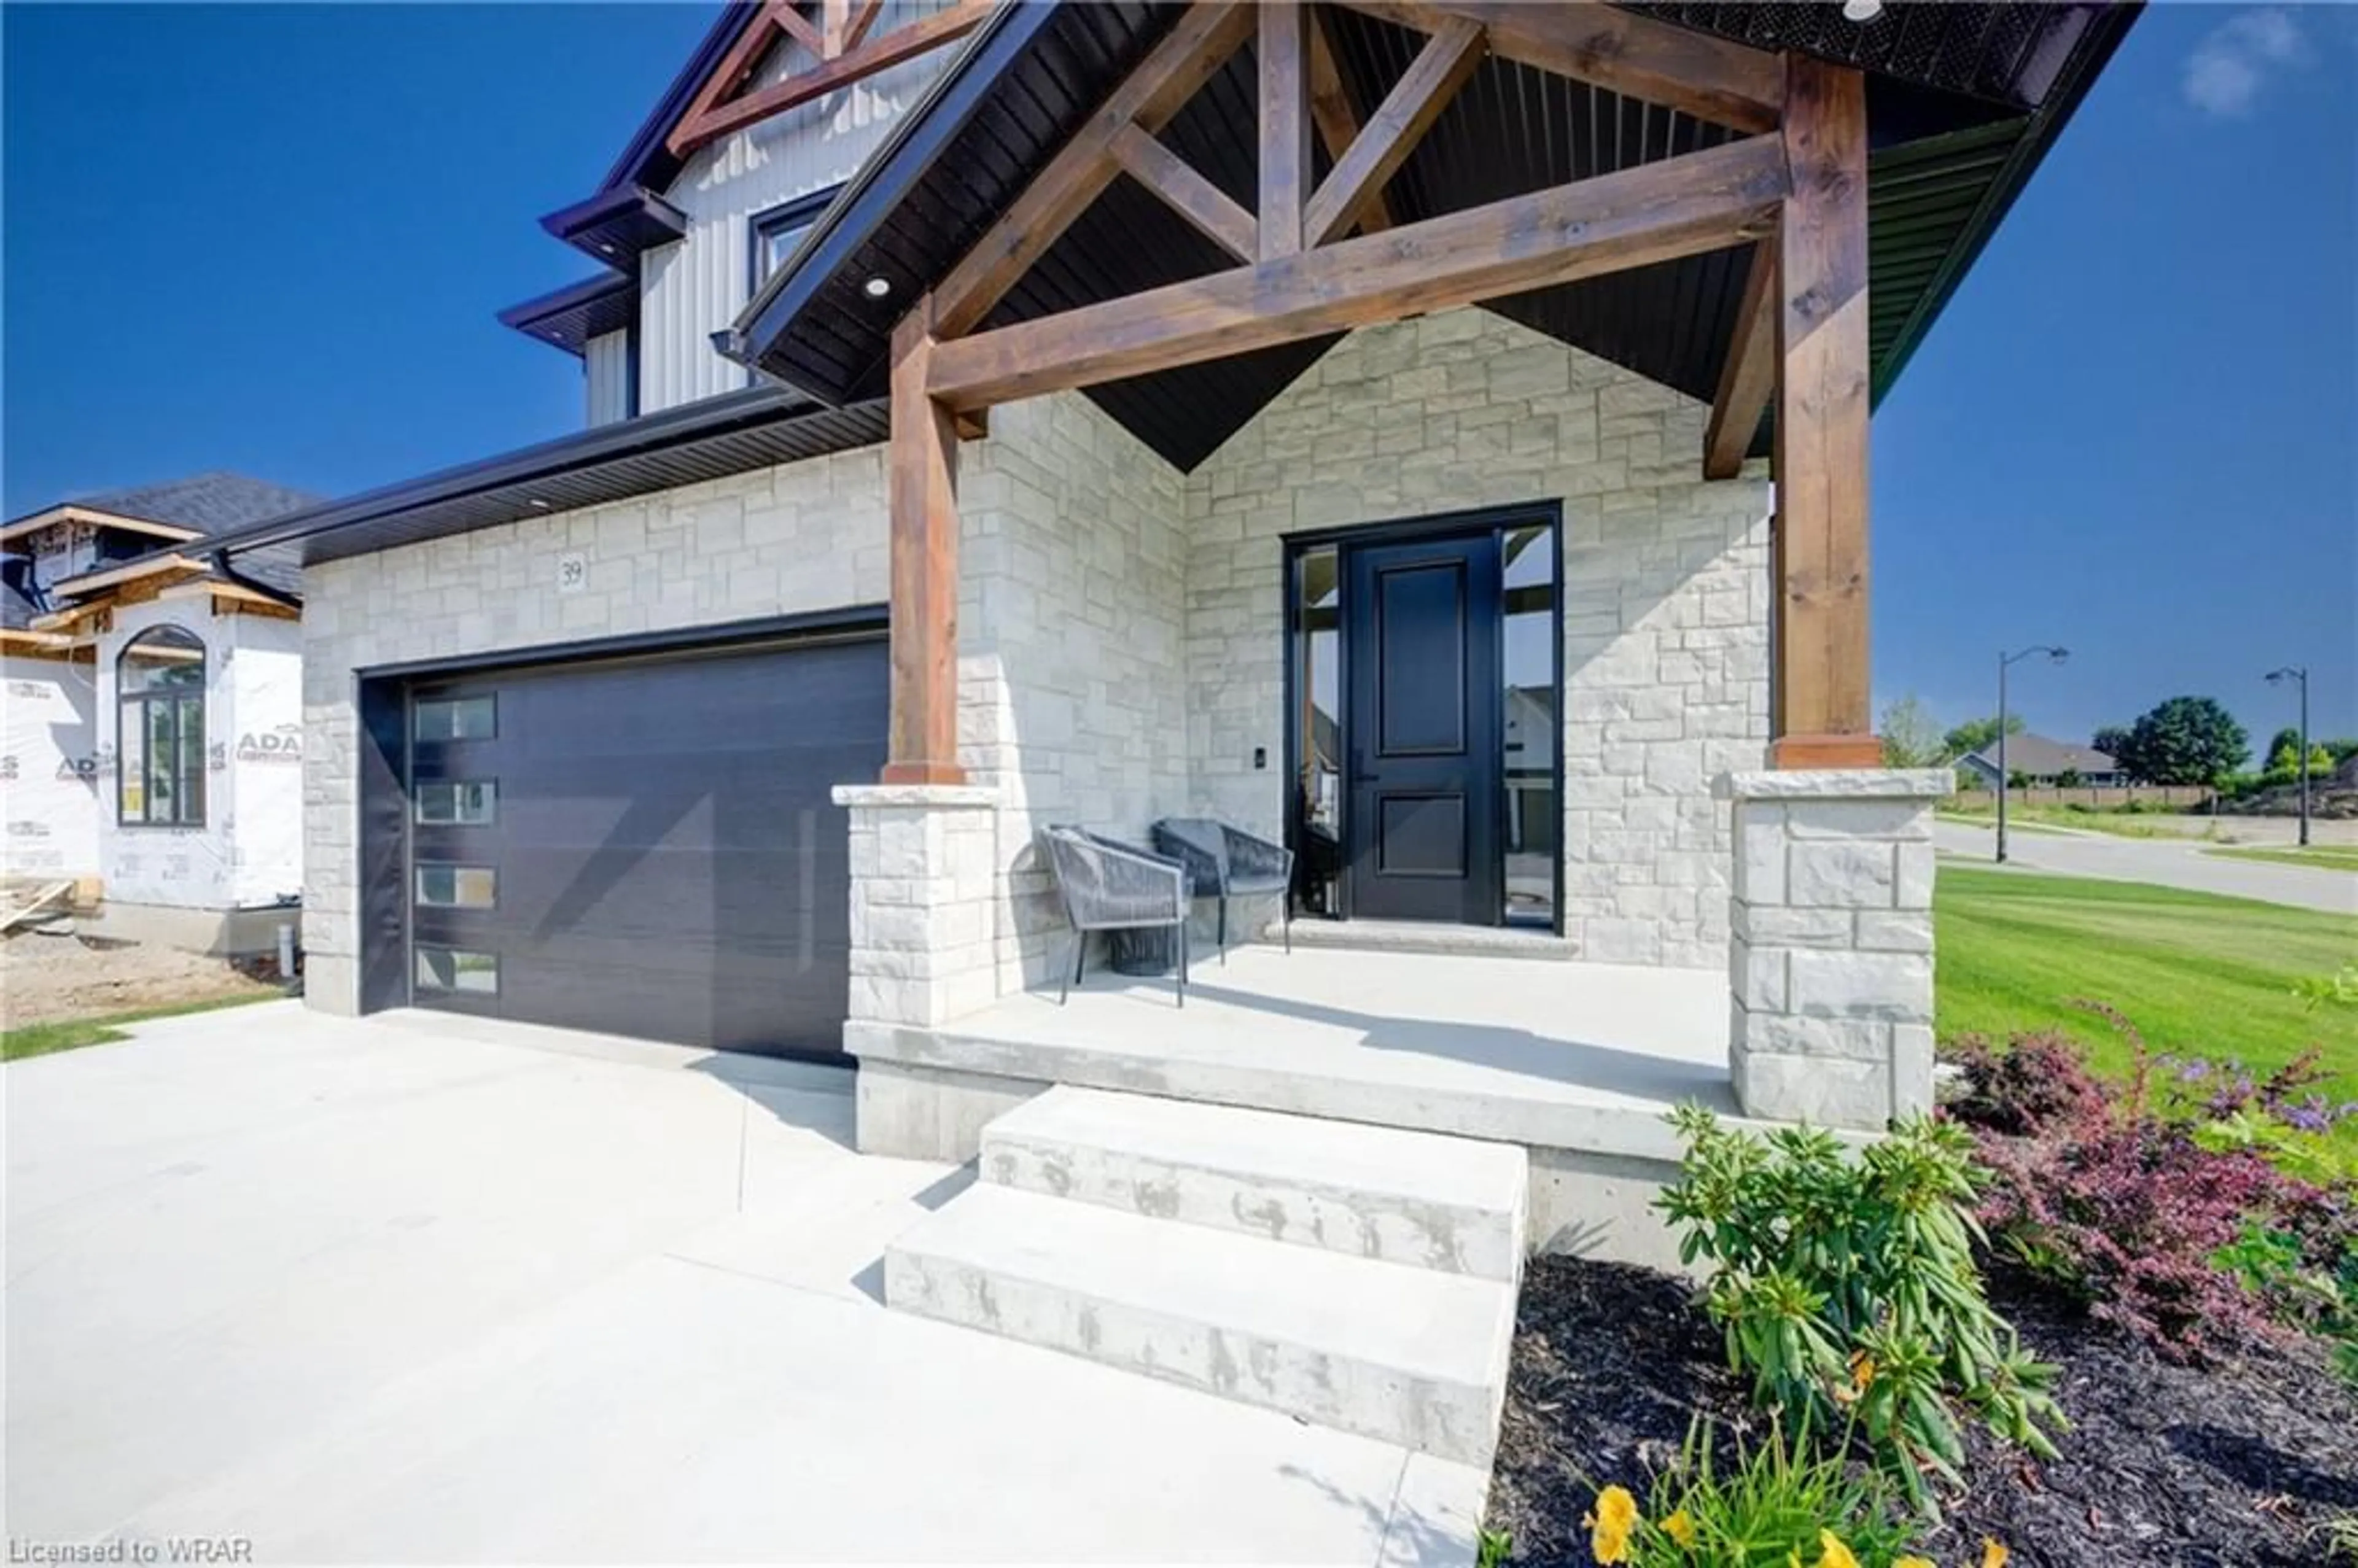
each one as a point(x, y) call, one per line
point(1666, 594)
point(1120, 636)
point(782, 541)
point(1831, 969)
point(1071, 701)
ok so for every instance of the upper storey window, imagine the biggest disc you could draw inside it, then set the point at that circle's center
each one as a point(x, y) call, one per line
point(777, 232)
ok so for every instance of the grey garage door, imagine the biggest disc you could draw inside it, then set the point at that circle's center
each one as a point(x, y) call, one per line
point(642, 847)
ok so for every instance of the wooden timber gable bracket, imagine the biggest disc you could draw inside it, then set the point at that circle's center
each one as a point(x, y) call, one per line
point(840, 53)
point(1331, 256)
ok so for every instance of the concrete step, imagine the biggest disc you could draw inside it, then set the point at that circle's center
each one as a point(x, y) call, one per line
point(1413, 1356)
point(1421, 937)
point(1416, 1198)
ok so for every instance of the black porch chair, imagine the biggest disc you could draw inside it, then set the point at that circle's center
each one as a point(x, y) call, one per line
point(1226, 862)
point(1108, 885)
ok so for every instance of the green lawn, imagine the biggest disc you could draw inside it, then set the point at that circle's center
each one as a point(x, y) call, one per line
point(2330, 857)
point(2119, 823)
point(44, 1039)
point(2197, 974)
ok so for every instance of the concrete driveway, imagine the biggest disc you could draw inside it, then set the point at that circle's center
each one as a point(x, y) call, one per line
point(426, 1290)
point(2167, 862)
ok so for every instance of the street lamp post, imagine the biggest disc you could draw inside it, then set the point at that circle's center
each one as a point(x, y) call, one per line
point(2300, 764)
point(2005, 662)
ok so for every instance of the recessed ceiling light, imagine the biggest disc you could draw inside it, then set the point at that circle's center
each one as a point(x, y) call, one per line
point(537, 503)
point(877, 288)
point(605, 247)
point(1862, 10)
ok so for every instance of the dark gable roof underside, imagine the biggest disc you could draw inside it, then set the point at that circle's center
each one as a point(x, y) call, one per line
point(1962, 101)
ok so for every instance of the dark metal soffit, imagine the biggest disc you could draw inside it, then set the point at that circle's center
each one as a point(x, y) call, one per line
point(1952, 147)
point(734, 433)
point(570, 317)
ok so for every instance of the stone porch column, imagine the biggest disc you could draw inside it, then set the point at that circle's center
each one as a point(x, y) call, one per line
point(1830, 954)
point(923, 933)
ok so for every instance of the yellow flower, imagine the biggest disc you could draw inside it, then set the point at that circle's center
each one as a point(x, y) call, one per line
point(1913, 1563)
point(1992, 1554)
point(1680, 1528)
point(1862, 1371)
point(1833, 1554)
point(1616, 1516)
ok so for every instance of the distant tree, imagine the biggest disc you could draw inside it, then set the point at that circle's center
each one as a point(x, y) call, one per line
point(2340, 749)
point(1911, 739)
point(2283, 758)
point(1975, 733)
point(2016, 779)
point(2068, 779)
point(2186, 741)
point(2110, 741)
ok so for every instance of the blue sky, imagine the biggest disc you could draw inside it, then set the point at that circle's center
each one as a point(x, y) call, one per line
point(272, 239)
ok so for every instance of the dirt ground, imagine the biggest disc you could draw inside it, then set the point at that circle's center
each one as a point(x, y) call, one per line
point(48, 980)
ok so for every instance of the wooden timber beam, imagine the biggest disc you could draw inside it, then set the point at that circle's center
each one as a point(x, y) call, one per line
point(1186, 192)
point(745, 54)
point(714, 120)
point(1820, 675)
point(794, 24)
point(1202, 42)
point(834, 28)
point(1711, 78)
point(1750, 374)
point(1284, 127)
point(1331, 113)
point(1698, 201)
point(1391, 132)
point(921, 503)
point(863, 17)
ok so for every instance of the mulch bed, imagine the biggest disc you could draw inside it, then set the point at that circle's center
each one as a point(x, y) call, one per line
point(2164, 1464)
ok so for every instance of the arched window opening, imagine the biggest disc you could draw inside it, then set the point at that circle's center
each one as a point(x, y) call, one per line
point(160, 739)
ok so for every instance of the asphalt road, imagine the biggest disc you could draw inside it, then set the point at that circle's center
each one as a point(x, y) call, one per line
point(2157, 861)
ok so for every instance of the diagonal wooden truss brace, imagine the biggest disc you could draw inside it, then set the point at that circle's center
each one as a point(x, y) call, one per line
point(1314, 260)
point(841, 51)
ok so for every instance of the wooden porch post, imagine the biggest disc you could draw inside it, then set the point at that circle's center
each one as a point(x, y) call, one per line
point(923, 486)
point(1821, 716)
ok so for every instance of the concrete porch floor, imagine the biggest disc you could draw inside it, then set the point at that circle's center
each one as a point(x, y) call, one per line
point(1548, 1054)
point(422, 1289)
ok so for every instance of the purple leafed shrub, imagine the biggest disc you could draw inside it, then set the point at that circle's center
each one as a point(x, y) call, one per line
point(2111, 1200)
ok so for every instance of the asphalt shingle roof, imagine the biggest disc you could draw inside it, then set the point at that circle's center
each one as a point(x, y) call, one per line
point(214, 504)
point(2039, 757)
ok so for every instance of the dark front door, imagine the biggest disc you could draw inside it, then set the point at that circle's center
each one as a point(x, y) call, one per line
point(644, 848)
point(1423, 770)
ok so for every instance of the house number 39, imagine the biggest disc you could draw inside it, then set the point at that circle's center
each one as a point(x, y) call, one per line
point(572, 572)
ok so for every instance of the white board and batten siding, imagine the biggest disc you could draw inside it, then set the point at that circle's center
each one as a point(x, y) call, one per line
point(695, 287)
point(606, 366)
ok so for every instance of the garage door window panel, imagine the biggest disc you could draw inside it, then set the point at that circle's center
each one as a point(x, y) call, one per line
point(458, 971)
point(457, 719)
point(445, 886)
point(470, 803)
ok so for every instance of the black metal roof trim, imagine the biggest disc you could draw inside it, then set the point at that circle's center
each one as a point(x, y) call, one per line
point(615, 225)
point(885, 180)
point(730, 434)
point(1950, 94)
point(2069, 84)
point(648, 161)
point(570, 317)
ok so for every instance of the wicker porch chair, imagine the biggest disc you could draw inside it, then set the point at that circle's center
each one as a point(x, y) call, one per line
point(1108, 885)
point(1226, 862)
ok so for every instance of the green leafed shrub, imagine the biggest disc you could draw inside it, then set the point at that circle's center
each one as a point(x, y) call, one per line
point(1780, 1502)
point(1845, 1280)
